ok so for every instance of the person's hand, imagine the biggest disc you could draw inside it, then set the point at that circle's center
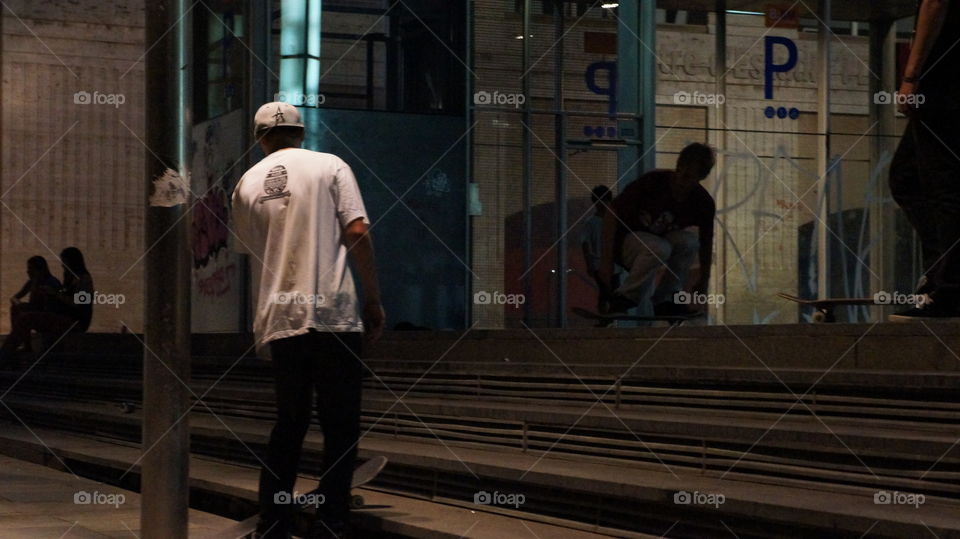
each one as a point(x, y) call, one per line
point(373, 320)
point(905, 102)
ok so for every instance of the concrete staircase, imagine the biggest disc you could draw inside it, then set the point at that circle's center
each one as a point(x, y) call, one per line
point(800, 431)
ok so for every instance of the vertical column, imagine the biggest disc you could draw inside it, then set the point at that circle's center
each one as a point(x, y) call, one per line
point(648, 83)
point(720, 143)
point(883, 41)
point(300, 47)
point(166, 363)
point(636, 85)
point(2, 138)
point(823, 149)
point(560, 123)
point(262, 89)
point(470, 116)
point(527, 168)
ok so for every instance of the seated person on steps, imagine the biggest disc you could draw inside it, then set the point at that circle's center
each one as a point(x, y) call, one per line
point(39, 281)
point(69, 309)
point(650, 227)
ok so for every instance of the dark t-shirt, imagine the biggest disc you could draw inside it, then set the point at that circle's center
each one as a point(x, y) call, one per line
point(81, 312)
point(939, 83)
point(39, 298)
point(648, 205)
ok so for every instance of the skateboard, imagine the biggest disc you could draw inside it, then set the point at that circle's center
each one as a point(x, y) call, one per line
point(362, 475)
point(674, 320)
point(366, 472)
point(825, 307)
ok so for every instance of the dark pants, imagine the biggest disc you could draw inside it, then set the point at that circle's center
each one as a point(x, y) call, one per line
point(328, 363)
point(26, 321)
point(925, 182)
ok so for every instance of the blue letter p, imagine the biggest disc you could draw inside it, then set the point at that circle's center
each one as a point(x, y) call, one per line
point(770, 68)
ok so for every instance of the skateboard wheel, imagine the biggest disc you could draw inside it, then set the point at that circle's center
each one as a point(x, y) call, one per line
point(356, 501)
point(819, 317)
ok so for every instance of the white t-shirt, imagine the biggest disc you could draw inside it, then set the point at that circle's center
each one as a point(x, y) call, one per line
point(289, 212)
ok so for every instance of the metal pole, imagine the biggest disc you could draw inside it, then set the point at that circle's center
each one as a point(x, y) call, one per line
point(263, 86)
point(469, 117)
point(720, 67)
point(883, 39)
point(2, 102)
point(527, 168)
point(166, 363)
point(560, 121)
point(648, 83)
point(823, 149)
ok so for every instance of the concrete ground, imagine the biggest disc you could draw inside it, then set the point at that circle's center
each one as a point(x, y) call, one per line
point(40, 502)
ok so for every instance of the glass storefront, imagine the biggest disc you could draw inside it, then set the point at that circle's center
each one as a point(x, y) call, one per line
point(802, 200)
point(480, 128)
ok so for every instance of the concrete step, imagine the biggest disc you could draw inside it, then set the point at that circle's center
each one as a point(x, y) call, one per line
point(884, 346)
point(439, 469)
point(232, 490)
point(897, 347)
point(848, 450)
point(623, 395)
point(832, 459)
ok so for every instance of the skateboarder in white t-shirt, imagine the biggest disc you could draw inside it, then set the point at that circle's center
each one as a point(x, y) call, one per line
point(300, 217)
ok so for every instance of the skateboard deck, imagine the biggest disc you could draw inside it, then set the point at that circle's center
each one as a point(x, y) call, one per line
point(590, 315)
point(365, 473)
point(825, 307)
point(362, 475)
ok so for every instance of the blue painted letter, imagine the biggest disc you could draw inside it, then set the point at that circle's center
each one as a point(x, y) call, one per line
point(770, 68)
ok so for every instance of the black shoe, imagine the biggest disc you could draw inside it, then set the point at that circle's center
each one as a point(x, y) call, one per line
point(927, 311)
point(619, 304)
point(669, 308)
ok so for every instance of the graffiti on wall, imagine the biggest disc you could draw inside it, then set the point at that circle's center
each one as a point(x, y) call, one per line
point(217, 158)
point(767, 211)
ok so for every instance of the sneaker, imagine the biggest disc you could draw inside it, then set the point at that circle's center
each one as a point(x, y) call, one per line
point(924, 286)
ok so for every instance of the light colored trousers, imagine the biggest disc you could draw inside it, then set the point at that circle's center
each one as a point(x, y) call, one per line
point(644, 254)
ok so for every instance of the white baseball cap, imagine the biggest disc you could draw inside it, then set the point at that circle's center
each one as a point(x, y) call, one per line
point(276, 114)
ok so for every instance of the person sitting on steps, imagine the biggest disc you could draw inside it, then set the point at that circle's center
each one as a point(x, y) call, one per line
point(70, 308)
point(39, 280)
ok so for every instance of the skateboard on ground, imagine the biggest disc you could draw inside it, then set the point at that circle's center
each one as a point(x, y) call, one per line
point(825, 307)
point(362, 475)
point(674, 320)
point(366, 472)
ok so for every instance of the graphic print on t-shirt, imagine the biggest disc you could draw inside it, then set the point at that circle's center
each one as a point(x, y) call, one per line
point(274, 184)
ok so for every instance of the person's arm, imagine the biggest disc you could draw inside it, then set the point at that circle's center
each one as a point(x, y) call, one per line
point(24, 290)
point(360, 246)
point(929, 25)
